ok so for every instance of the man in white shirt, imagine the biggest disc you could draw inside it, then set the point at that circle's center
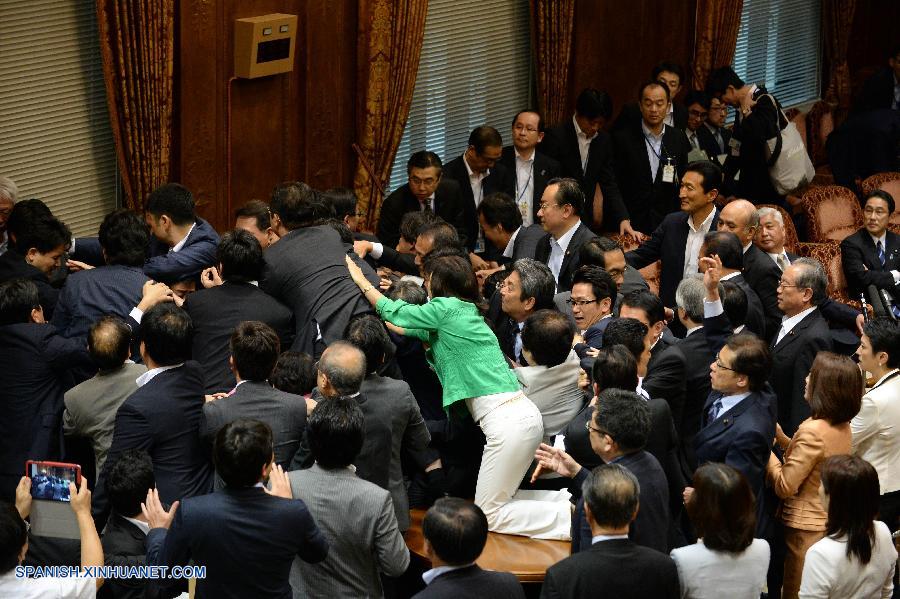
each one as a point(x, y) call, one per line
point(530, 168)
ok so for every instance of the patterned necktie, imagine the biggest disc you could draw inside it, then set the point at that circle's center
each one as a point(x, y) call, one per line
point(714, 410)
point(879, 249)
point(781, 262)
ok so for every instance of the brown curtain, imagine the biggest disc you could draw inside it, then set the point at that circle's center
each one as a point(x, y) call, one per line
point(137, 47)
point(390, 41)
point(837, 20)
point(715, 39)
point(552, 23)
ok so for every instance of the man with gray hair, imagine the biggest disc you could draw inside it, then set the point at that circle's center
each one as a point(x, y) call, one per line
point(528, 287)
point(771, 235)
point(8, 195)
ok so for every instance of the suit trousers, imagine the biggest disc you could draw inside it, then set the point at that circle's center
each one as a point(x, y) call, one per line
point(798, 543)
point(513, 429)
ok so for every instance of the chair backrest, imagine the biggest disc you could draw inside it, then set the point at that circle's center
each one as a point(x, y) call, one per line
point(819, 124)
point(651, 272)
point(829, 255)
point(832, 212)
point(799, 119)
point(889, 182)
point(790, 231)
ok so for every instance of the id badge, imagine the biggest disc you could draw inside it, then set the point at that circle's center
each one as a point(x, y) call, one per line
point(523, 209)
point(668, 175)
point(735, 147)
point(479, 243)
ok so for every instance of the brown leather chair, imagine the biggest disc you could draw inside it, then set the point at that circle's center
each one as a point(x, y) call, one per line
point(889, 182)
point(819, 124)
point(651, 272)
point(829, 255)
point(790, 231)
point(832, 212)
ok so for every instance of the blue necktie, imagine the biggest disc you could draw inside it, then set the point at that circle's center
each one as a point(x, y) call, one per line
point(714, 410)
point(880, 250)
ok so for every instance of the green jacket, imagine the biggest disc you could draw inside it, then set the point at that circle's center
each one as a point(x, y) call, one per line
point(463, 351)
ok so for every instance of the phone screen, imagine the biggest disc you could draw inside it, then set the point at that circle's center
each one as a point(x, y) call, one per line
point(51, 482)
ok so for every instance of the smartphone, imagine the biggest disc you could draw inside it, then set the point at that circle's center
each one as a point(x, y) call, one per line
point(50, 480)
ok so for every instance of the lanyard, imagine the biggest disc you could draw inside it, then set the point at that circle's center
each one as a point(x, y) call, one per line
point(662, 147)
point(521, 194)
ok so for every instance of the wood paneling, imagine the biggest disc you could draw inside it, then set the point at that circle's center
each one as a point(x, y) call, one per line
point(297, 125)
point(873, 35)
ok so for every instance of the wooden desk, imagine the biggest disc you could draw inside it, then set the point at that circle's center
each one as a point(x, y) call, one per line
point(527, 558)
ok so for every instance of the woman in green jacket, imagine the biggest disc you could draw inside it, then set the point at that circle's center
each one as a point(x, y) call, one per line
point(467, 359)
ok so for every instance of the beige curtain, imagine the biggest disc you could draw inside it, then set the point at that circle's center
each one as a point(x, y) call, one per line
point(718, 22)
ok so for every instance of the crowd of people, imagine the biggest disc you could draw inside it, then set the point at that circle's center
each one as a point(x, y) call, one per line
point(272, 402)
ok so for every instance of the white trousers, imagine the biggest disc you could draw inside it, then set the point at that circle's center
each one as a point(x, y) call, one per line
point(513, 430)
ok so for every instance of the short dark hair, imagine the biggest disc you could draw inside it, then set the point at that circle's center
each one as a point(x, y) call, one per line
point(835, 388)
point(483, 137)
point(722, 508)
point(167, 333)
point(734, 302)
point(696, 96)
point(624, 416)
point(255, 209)
point(23, 214)
point(441, 233)
point(124, 237)
point(594, 250)
point(593, 104)
point(671, 67)
point(336, 432)
point(853, 490)
point(710, 171)
point(752, 358)
point(452, 276)
point(18, 298)
point(13, 536)
point(719, 79)
point(413, 222)
point(601, 282)
point(535, 281)
point(368, 333)
point(547, 335)
point(342, 200)
point(882, 195)
point(408, 291)
point(294, 372)
point(615, 367)
point(726, 246)
point(296, 204)
point(109, 342)
point(642, 299)
point(532, 111)
point(129, 480)
point(345, 379)
point(241, 256)
point(628, 332)
point(240, 451)
point(612, 493)
point(175, 201)
point(44, 234)
point(500, 208)
point(884, 336)
point(456, 529)
point(424, 159)
point(254, 349)
point(568, 192)
point(653, 83)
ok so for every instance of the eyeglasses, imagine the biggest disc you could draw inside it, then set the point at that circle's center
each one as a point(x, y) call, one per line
point(784, 285)
point(579, 303)
point(599, 431)
point(722, 366)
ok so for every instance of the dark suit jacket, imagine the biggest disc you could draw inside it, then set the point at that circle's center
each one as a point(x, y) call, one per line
point(306, 271)
point(285, 414)
point(561, 143)
point(631, 116)
point(862, 266)
point(280, 529)
point(34, 375)
point(525, 244)
point(163, 418)
point(13, 266)
point(90, 294)
point(709, 144)
point(648, 200)
point(473, 583)
point(667, 243)
point(792, 359)
point(506, 330)
point(753, 131)
point(216, 312)
point(405, 263)
point(755, 320)
point(497, 180)
point(124, 544)
point(198, 252)
point(571, 259)
point(545, 168)
point(616, 568)
point(763, 275)
point(877, 92)
point(698, 359)
point(447, 205)
point(666, 375)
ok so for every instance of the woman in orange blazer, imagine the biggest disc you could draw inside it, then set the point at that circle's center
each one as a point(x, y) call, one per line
point(834, 390)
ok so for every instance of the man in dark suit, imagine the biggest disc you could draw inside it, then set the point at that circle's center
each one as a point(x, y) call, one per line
point(671, 75)
point(613, 563)
point(727, 247)
point(246, 535)
point(585, 153)
point(427, 189)
point(529, 169)
point(650, 159)
point(871, 256)
point(163, 416)
point(254, 351)
point(503, 227)
point(231, 297)
point(703, 144)
point(560, 214)
point(402, 257)
point(882, 89)
point(455, 533)
point(528, 288)
point(678, 238)
point(306, 271)
point(715, 126)
point(34, 364)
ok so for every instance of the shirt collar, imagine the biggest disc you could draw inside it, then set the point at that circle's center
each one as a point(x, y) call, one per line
point(774, 255)
point(581, 133)
point(790, 322)
point(180, 245)
point(692, 330)
point(523, 158)
point(508, 252)
point(144, 526)
point(882, 239)
point(473, 173)
point(599, 538)
point(430, 575)
point(566, 238)
point(705, 225)
point(747, 247)
point(730, 275)
point(729, 401)
point(649, 133)
point(887, 374)
point(148, 376)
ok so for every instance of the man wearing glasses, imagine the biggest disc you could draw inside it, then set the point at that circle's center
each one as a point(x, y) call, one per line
point(871, 256)
point(715, 124)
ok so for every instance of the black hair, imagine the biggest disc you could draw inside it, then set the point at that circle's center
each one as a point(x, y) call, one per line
point(294, 372)
point(13, 536)
point(601, 282)
point(726, 246)
point(336, 432)
point(167, 333)
point(424, 159)
point(368, 333)
point(882, 195)
point(456, 529)
point(483, 137)
point(624, 415)
point(594, 250)
point(296, 204)
point(612, 493)
point(255, 209)
point(615, 366)
point(696, 96)
point(124, 237)
point(342, 200)
point(854, 493)
point(752, 358)
point(254, 348)
point(175, 201)
point(128, 482)
point(627, 332)
point(452, 276)
point(44, 234)
point(23, 214)
point(719, 79)
point(241, 256)
point(109, 342)
point(645, 300)
point(710, 171)
point(442, 234)
point(18, 298)
point(240, 451)
point(413, 222)
point(533, 111)
point(669, 66)
point(734, 302)
point(653, 83)
point(884, 336)
point(593, 104)
point(547, 335)
point(568, 192)
point(500, 208)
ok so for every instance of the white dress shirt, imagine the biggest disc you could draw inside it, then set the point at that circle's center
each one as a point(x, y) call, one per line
point(475, 180)
point(148, 376)
point(430, 575)
point(508, 252)
point(178, 246)
point(599, 538)
point(708, 574)
point(788, 323)
point(654, 145)
point(713, 309)
point(695, 241)
point(525, 187)
point(670, 115)
point(144, 526)
point(558, 249)
point(584, 143)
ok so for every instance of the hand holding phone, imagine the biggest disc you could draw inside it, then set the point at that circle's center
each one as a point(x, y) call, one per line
point(50, 480)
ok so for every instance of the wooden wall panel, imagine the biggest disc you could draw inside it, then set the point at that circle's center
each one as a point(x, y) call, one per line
point(872, 36)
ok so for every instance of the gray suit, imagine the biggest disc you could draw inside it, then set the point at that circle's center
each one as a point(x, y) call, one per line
point(91, 406)
point(526, 241)
point(284, 412)
point(358, 521)
point(554, 391)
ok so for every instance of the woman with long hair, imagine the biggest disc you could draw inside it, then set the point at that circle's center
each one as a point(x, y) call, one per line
point(467, 359)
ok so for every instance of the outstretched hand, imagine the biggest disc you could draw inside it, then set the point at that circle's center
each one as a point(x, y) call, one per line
point(554, 459)
point(711, 276)
point(155, 513)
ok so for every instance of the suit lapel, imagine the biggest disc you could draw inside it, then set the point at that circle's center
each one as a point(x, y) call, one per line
point(572, 142)
point(575, 242)
point(794, 333)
